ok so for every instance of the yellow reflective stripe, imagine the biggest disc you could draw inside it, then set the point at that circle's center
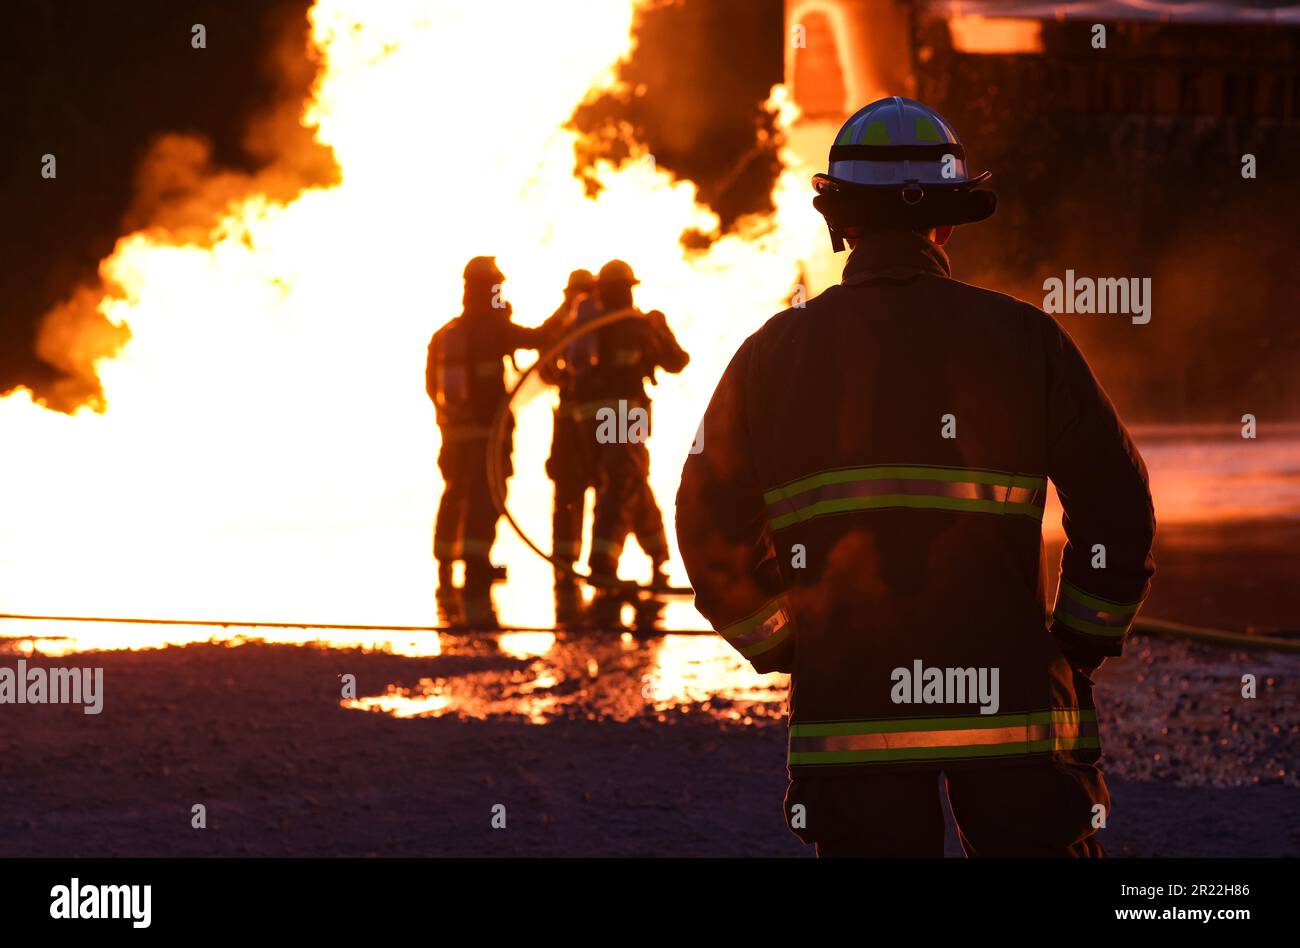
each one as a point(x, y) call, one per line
point(764, 630)
point(481, 547)
point(892, 740)
point(874, 133)
point(1092, 615)
point(925, 130)
point(905, 486)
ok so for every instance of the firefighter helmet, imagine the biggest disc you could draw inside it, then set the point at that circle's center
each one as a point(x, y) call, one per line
point(898, 164)
point(580, 280)
point(483, 270)
point(617, 272)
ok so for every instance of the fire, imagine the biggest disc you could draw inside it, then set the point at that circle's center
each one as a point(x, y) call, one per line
point(267, 450)
point(977, 34)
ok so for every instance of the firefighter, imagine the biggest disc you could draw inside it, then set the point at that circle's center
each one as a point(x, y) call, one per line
point(611, 391)
point(572, 463)
point(866, 516)
point(464, 377)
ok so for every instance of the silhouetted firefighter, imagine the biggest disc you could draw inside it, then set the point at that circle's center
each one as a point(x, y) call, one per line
point(572, 463)
point(465, 378)
point(866, 516)
point(610, 387)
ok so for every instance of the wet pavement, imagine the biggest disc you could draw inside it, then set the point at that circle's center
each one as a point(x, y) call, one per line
point(541, 676)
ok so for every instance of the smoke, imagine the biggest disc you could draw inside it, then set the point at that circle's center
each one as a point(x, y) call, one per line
point(1120, 194)
point(692, 95)
point(72, 337)
point(179, 194)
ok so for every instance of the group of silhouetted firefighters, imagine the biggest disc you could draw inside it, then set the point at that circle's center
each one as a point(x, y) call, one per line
point(844, 535)
point(604, 369)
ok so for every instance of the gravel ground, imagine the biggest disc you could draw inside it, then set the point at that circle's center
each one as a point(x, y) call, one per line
point(1195, 769)
point(256, 733)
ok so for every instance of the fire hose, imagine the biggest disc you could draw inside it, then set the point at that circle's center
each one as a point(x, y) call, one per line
point(497, 483)
point(1157, 627)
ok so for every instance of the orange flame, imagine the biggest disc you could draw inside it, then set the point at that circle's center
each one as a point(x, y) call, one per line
point(267, 449)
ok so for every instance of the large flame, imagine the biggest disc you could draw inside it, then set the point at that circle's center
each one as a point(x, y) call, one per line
point(267, 450)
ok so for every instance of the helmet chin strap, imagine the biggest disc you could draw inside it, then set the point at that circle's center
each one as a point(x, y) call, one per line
point(837, 239)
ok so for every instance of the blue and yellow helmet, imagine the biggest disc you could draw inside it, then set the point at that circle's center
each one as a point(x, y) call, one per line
point(897, 162)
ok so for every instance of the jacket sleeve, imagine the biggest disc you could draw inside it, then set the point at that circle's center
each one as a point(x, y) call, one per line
point(666, 351)
point(551, 332)
point(723, 535)
point(527, 337)
point(431, 370)
point(1109, 518)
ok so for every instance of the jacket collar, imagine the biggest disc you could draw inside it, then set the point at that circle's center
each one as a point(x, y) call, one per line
point(894, 255)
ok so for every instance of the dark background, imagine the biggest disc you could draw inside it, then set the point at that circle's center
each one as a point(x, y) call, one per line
point(1127, 162)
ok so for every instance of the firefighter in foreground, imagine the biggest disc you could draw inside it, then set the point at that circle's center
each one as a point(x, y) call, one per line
point(866, 516)
point(572, 463)
point(610, 388)
point(465, 378)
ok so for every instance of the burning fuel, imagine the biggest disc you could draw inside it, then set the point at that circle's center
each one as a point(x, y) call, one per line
point(229, 492)
point(263, 436)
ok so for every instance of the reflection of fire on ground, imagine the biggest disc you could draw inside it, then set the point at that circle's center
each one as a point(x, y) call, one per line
point(541, 678)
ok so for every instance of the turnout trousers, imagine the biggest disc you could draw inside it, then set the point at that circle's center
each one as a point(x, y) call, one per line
point(1027, 809)
point(466, 525)
point(625, 504)
point(572, 469)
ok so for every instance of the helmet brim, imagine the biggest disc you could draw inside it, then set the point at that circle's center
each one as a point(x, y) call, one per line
point(823, 183)
point(907, 205)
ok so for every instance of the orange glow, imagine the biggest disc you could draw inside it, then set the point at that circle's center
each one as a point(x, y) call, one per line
point(54, 639)
point(267, 451)
point(597, 678)
point(978, 34)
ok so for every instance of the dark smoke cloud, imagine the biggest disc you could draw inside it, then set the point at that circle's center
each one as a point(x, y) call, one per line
point(692, 94)
point(152, 134)
point(148, 132)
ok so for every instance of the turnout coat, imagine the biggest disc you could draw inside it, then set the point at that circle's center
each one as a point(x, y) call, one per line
point(868, 506)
